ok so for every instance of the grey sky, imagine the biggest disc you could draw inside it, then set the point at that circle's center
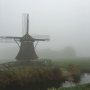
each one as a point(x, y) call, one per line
point(66, 21)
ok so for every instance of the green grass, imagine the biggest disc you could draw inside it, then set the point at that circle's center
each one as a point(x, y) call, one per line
point(82, 87)
point(82, 63)
point(79, 87)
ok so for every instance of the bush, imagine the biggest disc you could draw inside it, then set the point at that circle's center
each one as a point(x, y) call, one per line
point(31, 78)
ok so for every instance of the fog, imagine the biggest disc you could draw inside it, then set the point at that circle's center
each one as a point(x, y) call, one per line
point(66, 21)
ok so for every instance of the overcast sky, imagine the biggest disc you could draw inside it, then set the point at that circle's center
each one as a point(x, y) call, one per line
point(66, 21)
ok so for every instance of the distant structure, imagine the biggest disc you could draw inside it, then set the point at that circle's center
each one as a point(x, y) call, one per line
point(26, 42)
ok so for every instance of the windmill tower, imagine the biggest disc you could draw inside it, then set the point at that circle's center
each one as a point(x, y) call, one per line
point(26, 43)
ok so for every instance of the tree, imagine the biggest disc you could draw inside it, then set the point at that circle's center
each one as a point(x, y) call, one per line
point(69, 52)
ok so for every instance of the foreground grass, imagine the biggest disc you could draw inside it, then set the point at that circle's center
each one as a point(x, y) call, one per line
point(30, 78)
point(35, 76)
point(40, 76)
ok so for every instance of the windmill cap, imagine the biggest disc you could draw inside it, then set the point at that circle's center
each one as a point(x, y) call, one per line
point(27, 37)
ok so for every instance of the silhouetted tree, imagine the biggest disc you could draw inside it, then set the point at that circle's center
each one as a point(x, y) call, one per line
point(69, 52)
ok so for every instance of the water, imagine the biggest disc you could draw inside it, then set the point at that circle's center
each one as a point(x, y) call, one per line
point(84, 80)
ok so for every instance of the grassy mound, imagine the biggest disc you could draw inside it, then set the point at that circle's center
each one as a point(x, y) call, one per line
point(35, 75)
point(30, 78)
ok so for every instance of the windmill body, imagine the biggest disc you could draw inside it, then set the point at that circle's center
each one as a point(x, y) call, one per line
point(27, 50)
point(26, 43)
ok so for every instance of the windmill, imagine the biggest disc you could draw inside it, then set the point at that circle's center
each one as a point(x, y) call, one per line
point(26, 42)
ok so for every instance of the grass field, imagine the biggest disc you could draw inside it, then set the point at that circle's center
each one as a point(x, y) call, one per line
point(82, 63)
point(80, 87)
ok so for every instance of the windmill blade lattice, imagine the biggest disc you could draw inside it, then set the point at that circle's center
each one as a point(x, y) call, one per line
point(25, 23)
point(9, 39)
point(41, 37)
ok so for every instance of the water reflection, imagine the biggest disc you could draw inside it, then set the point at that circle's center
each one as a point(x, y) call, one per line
point(84, 79)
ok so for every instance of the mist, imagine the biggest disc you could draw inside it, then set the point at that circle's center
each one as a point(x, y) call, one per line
point(66, 21)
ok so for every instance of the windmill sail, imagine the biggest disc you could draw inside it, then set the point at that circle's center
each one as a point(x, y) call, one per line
point(25, 23)
point(41, 37)
point(9, 39)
